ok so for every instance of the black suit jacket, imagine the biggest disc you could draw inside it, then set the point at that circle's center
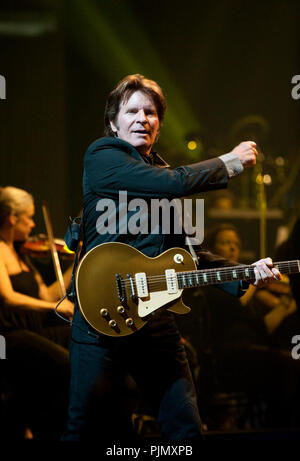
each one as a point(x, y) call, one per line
point(112, 165)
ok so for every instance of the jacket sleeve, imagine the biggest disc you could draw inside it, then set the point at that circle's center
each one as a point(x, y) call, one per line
point(111, 169)
point(208, 260)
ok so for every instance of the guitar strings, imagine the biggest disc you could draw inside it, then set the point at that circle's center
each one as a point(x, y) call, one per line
point(211, 272)
point(225, 272)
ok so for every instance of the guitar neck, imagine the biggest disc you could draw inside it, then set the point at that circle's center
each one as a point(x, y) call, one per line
point(198, 278)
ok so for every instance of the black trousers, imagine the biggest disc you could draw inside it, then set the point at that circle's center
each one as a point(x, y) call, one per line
point(35, 380)
point(105, 376)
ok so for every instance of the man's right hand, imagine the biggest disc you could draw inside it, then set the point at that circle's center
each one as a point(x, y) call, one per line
point(247, 153)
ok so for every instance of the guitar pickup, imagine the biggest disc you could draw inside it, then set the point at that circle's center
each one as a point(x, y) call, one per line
point(171, 279)
point(141, 285)
point(121, 289)
point(132, 289)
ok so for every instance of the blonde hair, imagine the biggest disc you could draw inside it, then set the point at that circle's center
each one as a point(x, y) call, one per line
point(13, 200)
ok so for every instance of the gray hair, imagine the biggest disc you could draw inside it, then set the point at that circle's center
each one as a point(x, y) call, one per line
point(13, 200)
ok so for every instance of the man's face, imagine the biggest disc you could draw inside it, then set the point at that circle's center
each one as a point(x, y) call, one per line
point(137, 122)
point(228, 245)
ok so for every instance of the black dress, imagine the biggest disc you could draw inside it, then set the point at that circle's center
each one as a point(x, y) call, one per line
point(34, 377)
point(11, 319)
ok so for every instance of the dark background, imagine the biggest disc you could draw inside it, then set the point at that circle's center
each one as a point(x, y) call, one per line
point(225, 67)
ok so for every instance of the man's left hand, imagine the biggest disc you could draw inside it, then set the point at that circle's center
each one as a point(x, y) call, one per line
point(265, 272)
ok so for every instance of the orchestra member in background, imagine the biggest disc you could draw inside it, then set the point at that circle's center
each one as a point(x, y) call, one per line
point(274, 302)
point(246, 335)
point(36, 348)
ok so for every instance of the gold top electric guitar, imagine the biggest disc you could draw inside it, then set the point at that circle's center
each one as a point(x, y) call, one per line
point(119, 288)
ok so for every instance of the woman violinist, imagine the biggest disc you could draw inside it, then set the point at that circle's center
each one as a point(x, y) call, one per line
point(36, 347)
point(20, 285)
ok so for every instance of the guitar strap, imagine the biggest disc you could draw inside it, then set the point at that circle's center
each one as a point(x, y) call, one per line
point(72, 239)
point(192, 251)
point(187, 238)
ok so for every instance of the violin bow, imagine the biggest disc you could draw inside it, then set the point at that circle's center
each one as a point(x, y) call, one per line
point(54, 254)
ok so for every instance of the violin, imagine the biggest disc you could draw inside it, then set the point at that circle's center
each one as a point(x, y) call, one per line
point(39, 246)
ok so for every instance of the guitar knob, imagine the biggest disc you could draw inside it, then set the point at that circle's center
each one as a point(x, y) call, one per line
point(178, 258)
point(129, 322)
point(104, 312)
point(112, 323)
point(120, 309)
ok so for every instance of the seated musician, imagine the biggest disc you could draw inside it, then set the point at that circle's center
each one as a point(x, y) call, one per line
point(37, 354)
point(244, 336)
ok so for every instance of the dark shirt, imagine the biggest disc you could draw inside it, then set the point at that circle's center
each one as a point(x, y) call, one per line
point(15, 318)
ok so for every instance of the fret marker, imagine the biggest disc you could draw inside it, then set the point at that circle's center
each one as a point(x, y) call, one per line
point(219, 277)
point(205, 277)
point(247, 274)
point(234, 274)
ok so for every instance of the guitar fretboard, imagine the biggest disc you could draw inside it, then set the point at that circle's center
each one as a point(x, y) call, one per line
point(197, 278)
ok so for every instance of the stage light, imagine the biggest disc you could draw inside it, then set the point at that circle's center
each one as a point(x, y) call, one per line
point(192, 145)
point(267, 179)
point(279, 161)
point(259, 179)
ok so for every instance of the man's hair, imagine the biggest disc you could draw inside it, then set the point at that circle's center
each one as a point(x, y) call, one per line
point(123, 91)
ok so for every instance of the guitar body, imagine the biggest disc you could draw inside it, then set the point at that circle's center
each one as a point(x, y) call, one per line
point(110, 306)
point(119, 288)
